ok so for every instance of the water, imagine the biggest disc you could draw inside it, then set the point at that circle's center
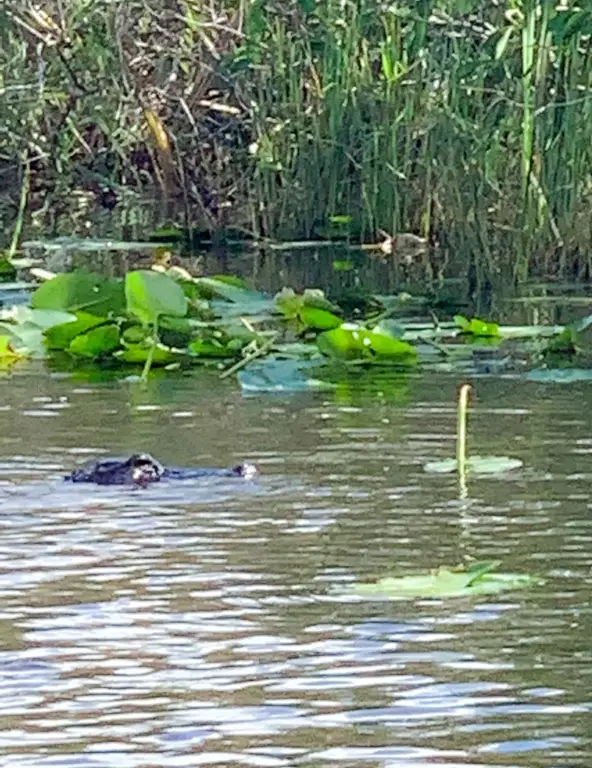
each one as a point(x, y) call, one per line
point(199, 625)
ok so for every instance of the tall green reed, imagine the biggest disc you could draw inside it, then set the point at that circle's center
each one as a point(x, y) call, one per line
point(465, 121)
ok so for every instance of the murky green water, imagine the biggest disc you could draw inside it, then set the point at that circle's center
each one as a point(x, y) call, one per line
point(195, 625)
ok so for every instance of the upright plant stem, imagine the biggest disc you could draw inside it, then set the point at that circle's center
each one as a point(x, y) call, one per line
point(150, 357)
point(21, 211)
point(461, 435)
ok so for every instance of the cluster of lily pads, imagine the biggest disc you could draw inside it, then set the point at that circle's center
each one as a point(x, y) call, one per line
point(170, 319)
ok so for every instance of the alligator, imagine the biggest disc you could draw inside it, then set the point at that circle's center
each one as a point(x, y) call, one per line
point(141, 469)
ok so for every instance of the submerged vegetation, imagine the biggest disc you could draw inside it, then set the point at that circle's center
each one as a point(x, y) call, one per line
point(466, 125)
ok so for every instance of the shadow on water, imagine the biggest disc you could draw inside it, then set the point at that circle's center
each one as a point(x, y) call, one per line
point(198, 625)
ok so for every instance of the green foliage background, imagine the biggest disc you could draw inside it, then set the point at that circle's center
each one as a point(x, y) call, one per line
point(465, 121)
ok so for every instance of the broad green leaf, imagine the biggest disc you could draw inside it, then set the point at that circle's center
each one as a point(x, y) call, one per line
point(60, 336)
point(98, 342)
point(479, 579)
point(138, 353)
point(288, 302)
point(151, 294)
point(346, 342)
point(478, 465)
point(81, 290)
point(211, 348)
point(311, 317)
point(354, 342)
point(476, 327)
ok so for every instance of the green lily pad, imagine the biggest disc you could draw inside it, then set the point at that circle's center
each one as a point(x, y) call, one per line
point(478, 579)
point(476, 327)
point(311, 308)
point(81, 290)
point(478, 465)
point(139, 353)
point(354, 342)
point(280, 376)
point(211, 348)
point(151, 294)
point(60, 336)
point(320, 319)
point(97, 342)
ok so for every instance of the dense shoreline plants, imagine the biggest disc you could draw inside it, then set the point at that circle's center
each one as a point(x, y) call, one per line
point(468, 123)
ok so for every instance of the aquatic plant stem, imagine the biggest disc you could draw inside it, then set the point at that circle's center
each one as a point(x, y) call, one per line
point(461, 437)
point(260, 352)
point(150, 357)
point(16, 235)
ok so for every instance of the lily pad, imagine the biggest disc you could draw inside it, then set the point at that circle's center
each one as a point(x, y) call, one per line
point(97, 342)
point(354, 342)
point(279, 376)
point(159, 355)
point(151, 294)
point(476, 327)
point(444, 582)
point(60, 336)
point(75, 291)
point(478, 465)
point(312, 309)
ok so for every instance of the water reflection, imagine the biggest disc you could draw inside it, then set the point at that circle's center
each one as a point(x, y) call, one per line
point(197, 625)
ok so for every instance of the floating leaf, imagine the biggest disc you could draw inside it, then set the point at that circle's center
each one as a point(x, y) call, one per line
point(98, 342)
point(311, 309)
point(211, 348)
point(354, 342)
point(151, 294)
point(279, 376)
point(478, 465)
point(139, 353)
point(60, 336)
point(320, 319)
point(75, 291)
point(444, 582)
point(476, 327)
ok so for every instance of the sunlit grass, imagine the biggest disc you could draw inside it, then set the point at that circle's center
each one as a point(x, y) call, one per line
point(466, 123)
